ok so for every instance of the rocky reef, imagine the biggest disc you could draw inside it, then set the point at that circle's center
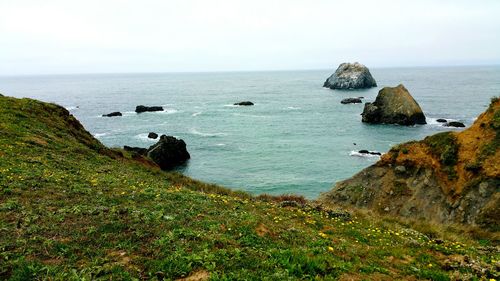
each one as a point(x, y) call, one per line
point(393, 105)
point(350, 76)
point(450, 177)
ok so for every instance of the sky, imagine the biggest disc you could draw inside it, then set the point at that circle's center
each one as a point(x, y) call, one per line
point(110, 36)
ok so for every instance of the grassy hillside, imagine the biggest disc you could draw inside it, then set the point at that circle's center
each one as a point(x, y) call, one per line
point(73, 209)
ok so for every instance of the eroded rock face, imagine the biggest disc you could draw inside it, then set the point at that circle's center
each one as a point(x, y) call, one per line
point(168, 152)
point(449, 177)
point(350, 76)
point(393, 105)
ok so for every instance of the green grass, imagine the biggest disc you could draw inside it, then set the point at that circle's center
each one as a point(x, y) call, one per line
point(72, 209)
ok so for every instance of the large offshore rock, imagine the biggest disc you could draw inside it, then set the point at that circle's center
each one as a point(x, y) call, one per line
point(168, 152)
point(350, 76)
point(393, 106)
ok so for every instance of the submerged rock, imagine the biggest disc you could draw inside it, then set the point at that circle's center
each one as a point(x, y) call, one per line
point(142, 108)
point(168, 152)
point(393, 106)
point(440, 120)
point(350, 76)
point(152, 135)
point(112, 114)
point(244, 103)
point(350, 100)
point(364, 151)
point(454, 124)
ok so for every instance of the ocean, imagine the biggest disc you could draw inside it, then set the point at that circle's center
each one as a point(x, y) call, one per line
point(297, 138)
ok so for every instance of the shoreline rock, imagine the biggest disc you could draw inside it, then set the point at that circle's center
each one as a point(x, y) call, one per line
point(350, 76)
point(393, 105)
point(455, 124)
point(142, 108)
point(153, 135)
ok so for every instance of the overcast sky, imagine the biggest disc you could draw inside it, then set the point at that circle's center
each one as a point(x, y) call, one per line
point(97, 36)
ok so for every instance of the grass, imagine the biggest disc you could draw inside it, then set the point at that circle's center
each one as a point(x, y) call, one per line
point(72, 209)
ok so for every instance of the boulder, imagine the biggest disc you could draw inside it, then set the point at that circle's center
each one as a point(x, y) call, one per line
point(441, 120)
point(112, 114)
point(142, 108)
point(152, 135)
point(138, 150)
point(168, 152)
point(350, 100)
point(350, 76)
point(244, 103)
point(454, 124)
point(393, 106)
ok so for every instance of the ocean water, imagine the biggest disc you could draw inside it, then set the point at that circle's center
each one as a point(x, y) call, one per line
point(297, 138)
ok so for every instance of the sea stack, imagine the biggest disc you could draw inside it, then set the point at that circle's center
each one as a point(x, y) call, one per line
point(350, 76)
point(393, 105)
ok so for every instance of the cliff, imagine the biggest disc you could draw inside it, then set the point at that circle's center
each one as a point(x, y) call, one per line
point(73, 209)
point(451, 177)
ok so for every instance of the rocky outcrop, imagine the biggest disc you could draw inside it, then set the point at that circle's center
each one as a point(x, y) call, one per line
point(153, 135)
point(142, 108)
point(351, 100)
point(350, 76)
point(112, 114)
point(441, 120)
point(393, 106)
point(244, 103)
point(450, 177)
point(168, 152)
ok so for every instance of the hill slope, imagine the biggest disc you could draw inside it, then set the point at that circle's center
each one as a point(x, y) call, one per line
point(447, 177)
point(73, 209)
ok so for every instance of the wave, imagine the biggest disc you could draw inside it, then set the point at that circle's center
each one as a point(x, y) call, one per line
point(196, 113)
point(144, 137)
point(293, 108)
point(231, 105)
point(367, 155)
point(198, 133)
point(98, 135)
point(70, 108)
point(250, 115)
point(168, 111)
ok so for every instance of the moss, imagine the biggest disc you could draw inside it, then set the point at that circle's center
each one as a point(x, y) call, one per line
point(444, 146)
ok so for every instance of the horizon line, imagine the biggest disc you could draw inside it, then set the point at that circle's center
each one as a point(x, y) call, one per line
point(239, 71)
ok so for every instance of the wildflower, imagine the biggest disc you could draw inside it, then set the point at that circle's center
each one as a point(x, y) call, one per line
point(330, 249)
point(323, 235)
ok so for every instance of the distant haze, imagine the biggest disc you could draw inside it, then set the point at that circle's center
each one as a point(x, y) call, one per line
point(97, 36)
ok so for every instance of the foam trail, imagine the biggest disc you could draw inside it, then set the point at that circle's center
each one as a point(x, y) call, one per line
point(198, 133)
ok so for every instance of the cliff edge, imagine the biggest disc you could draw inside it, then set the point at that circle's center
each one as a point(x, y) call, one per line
point(449, 177)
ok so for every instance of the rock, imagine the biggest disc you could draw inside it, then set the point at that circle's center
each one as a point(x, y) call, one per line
point(440, 120)
point(244, 103)
point(142, 108)
point(350, 100)
point(168, 152)
point(112, 114)
point(152, 135)
point(138, 150)
point(400, 169)
point(393, 106)
point(364, 151)
point(350, 76)
point(454, 124)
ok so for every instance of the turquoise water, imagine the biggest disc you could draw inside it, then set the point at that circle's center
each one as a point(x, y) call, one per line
point(296, 139)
